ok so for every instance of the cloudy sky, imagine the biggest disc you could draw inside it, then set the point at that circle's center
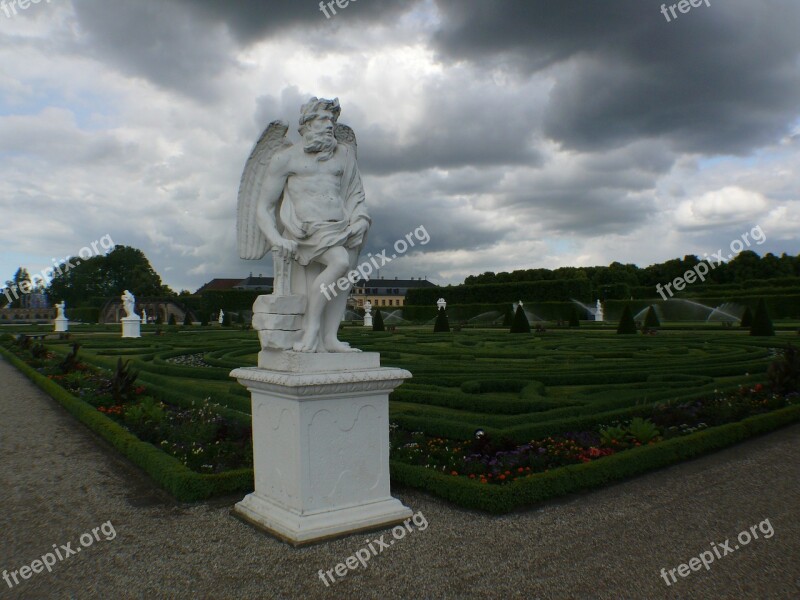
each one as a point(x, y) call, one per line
point(520, 134)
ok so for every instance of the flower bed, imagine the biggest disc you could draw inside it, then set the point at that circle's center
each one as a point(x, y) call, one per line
point(198, 436)
point(503, 462)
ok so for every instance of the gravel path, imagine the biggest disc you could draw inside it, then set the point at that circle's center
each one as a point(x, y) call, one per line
point(58, 481)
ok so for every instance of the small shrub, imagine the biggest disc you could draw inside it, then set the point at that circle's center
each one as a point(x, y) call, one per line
point(651, 319)
point(626, 324)
point(520, 323)
point(377, 321)
point(762, 324)
point(442, 324)
point(70, 362)
point(148, 410)
point(747, 318)
point(784, 372)
point(39, 351)
point(122, 383)
point(574, 320)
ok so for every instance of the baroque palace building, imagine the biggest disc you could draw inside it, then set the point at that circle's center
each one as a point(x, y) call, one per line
point(388, 293)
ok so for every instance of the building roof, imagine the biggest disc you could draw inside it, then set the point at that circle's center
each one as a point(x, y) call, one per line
point(259, 281)
point(218, 285)
point(394, 283)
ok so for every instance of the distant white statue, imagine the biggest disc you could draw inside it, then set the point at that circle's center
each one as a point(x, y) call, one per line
point(367, 314)
point(598, 312)
point(61, 322)
point(221, 316)
point(128, 304)
point(305, 203)
point(441, 303)
point(144, 315)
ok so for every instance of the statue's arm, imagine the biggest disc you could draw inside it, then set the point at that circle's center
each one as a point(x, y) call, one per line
point(355, 197)
point(271, 191)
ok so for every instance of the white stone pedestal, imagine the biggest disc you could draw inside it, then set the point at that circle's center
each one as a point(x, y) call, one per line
point(131, 327)
point(320, 444)
point(61, 324)
point(367, 320)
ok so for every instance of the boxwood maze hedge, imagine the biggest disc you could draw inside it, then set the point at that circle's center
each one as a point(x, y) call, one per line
point(513, 387)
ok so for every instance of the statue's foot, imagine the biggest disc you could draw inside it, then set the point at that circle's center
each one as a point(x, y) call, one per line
point(305, 346)
point(337, 346)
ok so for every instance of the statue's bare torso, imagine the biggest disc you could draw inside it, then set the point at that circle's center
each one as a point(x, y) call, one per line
point(313, 186)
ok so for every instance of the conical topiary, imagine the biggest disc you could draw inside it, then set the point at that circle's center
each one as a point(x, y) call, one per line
point(651, 319)
point(172, 320)
point(187, 320)
point(626, 324)
point(442, 325)
point(377, 321)
point(574, 320)
point(520, 323)
point(762, 324)
point(747, 318)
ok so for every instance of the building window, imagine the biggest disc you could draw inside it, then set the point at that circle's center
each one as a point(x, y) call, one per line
point(390, 302)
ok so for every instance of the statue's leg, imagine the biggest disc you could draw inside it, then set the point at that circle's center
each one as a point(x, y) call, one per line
point(334, 312)
point(336, 262)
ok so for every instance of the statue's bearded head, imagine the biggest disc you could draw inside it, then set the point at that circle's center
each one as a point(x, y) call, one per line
point(318, 119)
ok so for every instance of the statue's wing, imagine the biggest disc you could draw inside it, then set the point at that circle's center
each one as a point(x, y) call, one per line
point(345, 135)
point(252, 243)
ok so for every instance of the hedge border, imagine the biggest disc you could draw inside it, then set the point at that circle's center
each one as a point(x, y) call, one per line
point(166, 471)
point(525, 493)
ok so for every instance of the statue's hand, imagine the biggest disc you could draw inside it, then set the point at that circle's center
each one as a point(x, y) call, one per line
point(285, 247)
point(357, 232)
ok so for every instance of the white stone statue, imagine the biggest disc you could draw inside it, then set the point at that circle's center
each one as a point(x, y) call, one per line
point(598, 311)
point(221, 316)
point(320, 412)
point(305, 202)
point(144, 315)
point(128, 304)
point(367, 314)
point(61, 322)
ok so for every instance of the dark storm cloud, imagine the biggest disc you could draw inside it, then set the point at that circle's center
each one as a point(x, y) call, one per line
point(183, 45)
point(252, 20)
point(720, 79)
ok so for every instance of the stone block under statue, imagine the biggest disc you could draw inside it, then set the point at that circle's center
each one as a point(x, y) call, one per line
point(320, 444)
point(131, 327)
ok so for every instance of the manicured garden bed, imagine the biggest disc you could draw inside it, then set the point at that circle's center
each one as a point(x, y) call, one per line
point(487, 422)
